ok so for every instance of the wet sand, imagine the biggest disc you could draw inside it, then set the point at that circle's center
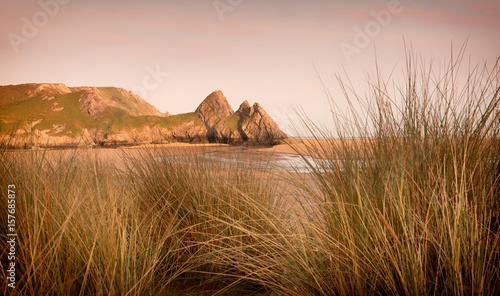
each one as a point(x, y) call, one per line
point(283, 153)
point(286, 181)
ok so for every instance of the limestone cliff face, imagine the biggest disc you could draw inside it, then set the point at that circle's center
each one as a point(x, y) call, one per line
point(213, 111)
point(91, 102)
point(249, 124)
point(187, 132)
point(61, 116)
point(95, 101)
point(257, 127)
point(49, 90)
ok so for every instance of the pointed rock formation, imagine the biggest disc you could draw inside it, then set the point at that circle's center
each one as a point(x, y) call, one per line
point(214, 107)
point(214, 111)
point(250, 124)
point(62, 116)
point(244, 108)
point(257, 127)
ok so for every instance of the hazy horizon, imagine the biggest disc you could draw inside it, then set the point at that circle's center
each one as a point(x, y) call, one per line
point(175, 53)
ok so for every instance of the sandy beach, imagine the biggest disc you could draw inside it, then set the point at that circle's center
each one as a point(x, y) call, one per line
point(293, 147)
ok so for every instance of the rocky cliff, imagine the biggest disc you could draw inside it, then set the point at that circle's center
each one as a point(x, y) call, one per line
point(214, 112)
point(95, 101)
point(256, 126)
point(54, 115)
point(249, 124)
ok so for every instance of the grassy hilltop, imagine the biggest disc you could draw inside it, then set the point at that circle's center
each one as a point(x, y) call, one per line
point(54, 115)
point(57, 110)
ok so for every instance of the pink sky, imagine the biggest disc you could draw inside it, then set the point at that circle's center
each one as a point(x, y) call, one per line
point(255, 49)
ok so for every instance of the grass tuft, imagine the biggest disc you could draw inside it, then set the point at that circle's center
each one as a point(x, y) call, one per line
point(401, 200)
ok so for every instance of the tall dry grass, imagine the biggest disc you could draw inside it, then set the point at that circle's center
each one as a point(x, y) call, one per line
point(152, 223)
point(80, 230)
point(410, 207)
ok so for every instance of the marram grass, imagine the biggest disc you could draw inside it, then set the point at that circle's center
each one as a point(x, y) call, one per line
point(410, 208)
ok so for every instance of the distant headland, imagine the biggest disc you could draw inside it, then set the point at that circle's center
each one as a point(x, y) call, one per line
point(55, 115)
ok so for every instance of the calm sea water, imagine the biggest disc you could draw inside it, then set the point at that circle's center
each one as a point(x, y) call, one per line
point(281, 162)
point(276, 161)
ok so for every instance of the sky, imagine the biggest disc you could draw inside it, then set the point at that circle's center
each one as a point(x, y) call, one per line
point(282, 54)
